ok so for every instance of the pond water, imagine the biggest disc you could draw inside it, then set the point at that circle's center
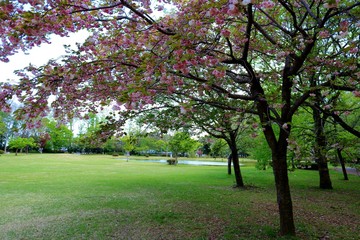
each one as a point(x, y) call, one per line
point(187, 162)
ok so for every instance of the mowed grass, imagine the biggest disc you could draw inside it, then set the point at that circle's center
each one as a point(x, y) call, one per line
point(101, 197)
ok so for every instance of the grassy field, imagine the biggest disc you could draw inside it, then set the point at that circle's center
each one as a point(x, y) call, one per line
point(102, 197)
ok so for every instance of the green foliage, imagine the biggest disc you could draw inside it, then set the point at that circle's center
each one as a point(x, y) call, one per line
point(129, 142)
point(181, 142)
point(91, 138)
point(60, 136)
point(150, 145)
point(7, 128)
point(219, 148)
point(341, 139)
point(161, 145)
point(19, 143)
point(2, 151)
point(303, 136)
point(261, 152)
point(113, 145)
point(2, 126)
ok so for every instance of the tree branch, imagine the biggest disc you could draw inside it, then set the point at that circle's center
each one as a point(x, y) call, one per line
point(306, 5)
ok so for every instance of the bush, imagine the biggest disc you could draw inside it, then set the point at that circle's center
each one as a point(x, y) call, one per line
point(172, 161)
point(2, 152)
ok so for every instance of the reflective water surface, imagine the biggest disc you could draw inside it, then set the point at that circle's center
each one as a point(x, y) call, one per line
point(188, 162)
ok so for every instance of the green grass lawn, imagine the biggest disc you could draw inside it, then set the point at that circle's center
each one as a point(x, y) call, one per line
point(102, 197)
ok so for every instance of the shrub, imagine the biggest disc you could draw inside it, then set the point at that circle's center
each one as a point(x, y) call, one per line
point(172, 161)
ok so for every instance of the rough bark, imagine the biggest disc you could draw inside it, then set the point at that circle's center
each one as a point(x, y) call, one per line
point(342, 163)
point(287, 226)
point(279, 152)
point(319, 149)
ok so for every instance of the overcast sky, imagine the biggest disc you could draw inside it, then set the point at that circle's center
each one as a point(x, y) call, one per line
point(39, 55)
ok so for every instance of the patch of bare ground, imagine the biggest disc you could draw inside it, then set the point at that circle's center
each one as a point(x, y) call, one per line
point(326, 216)
point(39, 222)
point(51, 227)
point(264, 213)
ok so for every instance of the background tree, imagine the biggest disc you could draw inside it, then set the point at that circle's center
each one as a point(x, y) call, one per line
point(113, 145)
point(219, 148)
point(2, 132)
point(43, 141)
point(8, 126)
point(343, 140)
point(60, 136)
point(261, 153)
point(20, 143)
point(129, 143)
point(181, 142)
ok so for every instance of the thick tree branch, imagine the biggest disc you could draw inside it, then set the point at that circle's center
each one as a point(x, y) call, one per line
point(238, 78)
point(341, 122)
point(328, 16)
point(264, 33)
point(148, 19)
point(249, 24)
point(215, 87)
point(83, 9)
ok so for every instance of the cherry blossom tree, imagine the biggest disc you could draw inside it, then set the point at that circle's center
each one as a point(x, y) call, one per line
point(250, 51)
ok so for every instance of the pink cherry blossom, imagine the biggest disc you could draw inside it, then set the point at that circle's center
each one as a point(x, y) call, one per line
point(356, 93)
point(324, 34)
point(267, 4)
point(225, 33)
point(218, 73)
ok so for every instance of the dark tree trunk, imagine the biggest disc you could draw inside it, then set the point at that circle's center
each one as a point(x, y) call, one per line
point(280, 169)
point(319, 149)
point(287, 226)
point(229, 164)
point(238, 176)
point(325, 181)
point(342, 162)
point(278, 145)
point(235, 159)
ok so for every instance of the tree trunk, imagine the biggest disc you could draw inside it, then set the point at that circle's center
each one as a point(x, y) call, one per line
point(325, 181)
point(235, 159)
point(280, 169)
point(319, 149)
point(238, 176)
point(342, 162)
point(278, 146)
point(229, 164)
point(287, 226)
